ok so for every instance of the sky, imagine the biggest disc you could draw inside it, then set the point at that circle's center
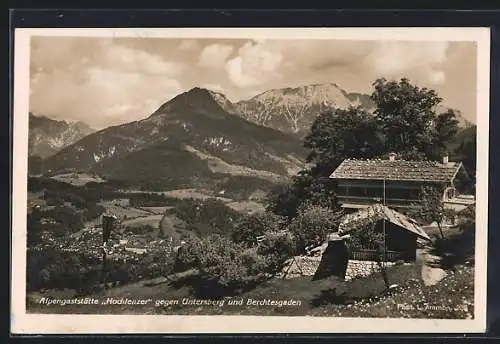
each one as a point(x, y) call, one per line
point(105, 81)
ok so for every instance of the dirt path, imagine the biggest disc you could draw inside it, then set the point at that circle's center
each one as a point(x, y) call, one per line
point(431, 273)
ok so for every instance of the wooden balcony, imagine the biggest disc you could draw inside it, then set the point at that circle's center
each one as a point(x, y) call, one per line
point(361, 202)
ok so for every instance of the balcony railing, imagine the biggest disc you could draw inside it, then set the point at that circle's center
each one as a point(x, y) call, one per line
point(363, 200)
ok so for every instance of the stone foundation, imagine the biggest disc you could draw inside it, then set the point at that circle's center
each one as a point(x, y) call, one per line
point(362, 268)
point(307, 266)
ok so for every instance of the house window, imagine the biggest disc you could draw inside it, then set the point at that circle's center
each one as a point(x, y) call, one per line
point(449, 193)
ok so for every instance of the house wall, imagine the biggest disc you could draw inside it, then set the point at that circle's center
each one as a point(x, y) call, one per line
point(400, 245)
point(401, 240)
point(398, 194)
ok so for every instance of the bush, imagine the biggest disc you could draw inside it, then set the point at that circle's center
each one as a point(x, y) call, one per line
point(249, 227)
point(51, 268)
point(55, 269)
point(277, 247)
point(218, 259)
point(256, 263)
point(312, 225)
point(67, 220)
point(226, 267)
point(458, 248)
point(188, 255)
point(283, 200)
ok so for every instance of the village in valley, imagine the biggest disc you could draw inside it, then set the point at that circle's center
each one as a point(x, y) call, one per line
point(334, 204)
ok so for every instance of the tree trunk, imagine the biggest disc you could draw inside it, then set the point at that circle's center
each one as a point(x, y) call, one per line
point(383, 271)
point(104, 267)
point(440, 229)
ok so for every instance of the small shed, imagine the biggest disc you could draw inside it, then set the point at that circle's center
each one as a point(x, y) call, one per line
point(401, 233)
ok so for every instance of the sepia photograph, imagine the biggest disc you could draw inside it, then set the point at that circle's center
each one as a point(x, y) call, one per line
point(250, 180)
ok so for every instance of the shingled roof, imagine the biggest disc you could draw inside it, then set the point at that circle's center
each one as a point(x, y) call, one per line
point(379, 212)
point(378, 169)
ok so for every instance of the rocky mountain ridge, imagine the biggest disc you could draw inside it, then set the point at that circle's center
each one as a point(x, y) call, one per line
point(48, 136)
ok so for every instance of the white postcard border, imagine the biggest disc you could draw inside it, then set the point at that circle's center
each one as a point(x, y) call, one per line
point(23, 323)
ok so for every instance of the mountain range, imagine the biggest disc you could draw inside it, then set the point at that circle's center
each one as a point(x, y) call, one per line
point(47, 136)
point(197, 136)
point(293, 110)
point(191, 139)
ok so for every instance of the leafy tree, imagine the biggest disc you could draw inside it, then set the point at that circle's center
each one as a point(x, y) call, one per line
point(251, 226)
point(351, 133)
point(445, 127)
point(334, 136)
point(465, 149)
point(409, 121)
point(287, 199)
point(432, 209)
point(312, 225)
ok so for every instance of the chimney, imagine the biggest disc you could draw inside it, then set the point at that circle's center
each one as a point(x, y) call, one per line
point(445, 159)
point(392, 156)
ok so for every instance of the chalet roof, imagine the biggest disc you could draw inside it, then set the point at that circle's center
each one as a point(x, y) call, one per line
point(379, 212)
point(378, 169)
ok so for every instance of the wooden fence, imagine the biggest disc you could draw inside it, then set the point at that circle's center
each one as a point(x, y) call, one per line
point(360, 254)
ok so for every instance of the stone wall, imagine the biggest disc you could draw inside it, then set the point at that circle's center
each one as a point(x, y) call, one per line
point(307, 266)
point(302, 266)
point(362, 268)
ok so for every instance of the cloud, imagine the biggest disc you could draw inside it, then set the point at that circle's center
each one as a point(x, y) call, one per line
point(51, 53)
point(437, 77)
point(188, 45)
point(214, 87)
point(396, 59)
point(318, 55)
point(105, 81)
point(120, 57)
point(215, 55)
point(367, 60)
point(108, 85)
point(106, 96)
point(256, 63)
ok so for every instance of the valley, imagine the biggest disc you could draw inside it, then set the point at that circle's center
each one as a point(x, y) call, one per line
point(191, 185)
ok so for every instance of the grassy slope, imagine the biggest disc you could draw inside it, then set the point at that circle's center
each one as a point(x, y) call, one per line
point(309, 293)
point(453, 298)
